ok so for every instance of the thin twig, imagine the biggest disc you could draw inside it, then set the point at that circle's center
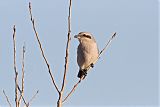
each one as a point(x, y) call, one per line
point(40, 46)
point(22, 87)
point(15, 69)
point(107, 45)
point(34, 96)
point(101, 52)
point(73, 89)
point(59, 102)
point(7, 99)
point(67, 47)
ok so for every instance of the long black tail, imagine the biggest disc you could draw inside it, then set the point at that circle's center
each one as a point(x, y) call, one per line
point(82, 73)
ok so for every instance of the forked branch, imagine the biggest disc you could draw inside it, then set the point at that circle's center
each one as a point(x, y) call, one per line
point(60, 100)
point(21, 95)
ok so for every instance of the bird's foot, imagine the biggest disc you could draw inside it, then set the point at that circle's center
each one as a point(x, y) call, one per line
point(92, 65)
point(84, 72)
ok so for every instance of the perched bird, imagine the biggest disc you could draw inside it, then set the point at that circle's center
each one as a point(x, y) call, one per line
point(87, 52)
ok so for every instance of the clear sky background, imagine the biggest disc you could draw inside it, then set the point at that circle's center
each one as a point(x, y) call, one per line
point(126, 75)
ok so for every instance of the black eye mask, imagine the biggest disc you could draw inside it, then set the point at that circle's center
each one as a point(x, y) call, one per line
point(87, 36)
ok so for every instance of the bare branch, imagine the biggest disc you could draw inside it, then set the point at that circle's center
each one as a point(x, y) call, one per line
point(22, 87)
point(15, 69)
point(59, 102)
point(73, 89)
point(41, 49)
point(34, 96)
point(7, 99)
point(101, 52)
point(23, 56)
point(67, 47)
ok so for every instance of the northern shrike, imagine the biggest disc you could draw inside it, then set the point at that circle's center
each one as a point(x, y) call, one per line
point(87, 52)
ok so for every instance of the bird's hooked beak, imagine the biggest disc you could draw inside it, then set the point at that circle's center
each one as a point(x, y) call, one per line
point(76, 36)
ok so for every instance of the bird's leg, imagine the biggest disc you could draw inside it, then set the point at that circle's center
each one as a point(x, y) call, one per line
point(92, 65)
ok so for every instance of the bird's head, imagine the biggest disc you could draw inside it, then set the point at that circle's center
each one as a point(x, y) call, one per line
point(84, 36)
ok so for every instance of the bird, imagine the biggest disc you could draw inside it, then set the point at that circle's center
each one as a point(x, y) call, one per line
point(87, 53)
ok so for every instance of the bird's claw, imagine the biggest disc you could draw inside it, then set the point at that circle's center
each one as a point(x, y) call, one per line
point(92, 65)
point(84, 72)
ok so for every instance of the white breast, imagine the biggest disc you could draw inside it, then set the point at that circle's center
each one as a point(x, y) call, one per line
point(87, 53)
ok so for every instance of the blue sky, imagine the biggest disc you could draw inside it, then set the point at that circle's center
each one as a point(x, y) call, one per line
point(126, 75)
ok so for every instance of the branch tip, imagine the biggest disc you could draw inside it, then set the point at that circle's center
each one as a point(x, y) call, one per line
point(29, 5)
point(14, 27)
point(24, 48)
point(14, 30)
point(114, 35)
